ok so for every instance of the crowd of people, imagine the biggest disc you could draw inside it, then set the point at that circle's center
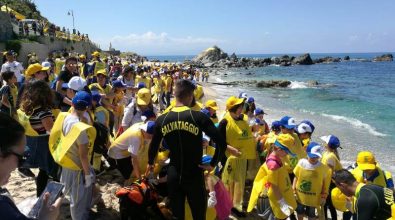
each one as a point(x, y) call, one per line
point(83, 117)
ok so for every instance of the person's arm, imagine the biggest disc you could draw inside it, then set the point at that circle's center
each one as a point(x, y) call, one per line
point(366, 205)
point(155, 142)
point(83, 146)
point(47, 122)
point(136, 166)
point(209, 129)
point(133, 149)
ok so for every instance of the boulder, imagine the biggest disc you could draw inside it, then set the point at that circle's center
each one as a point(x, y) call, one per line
point(273, 83)
point(233, 57)
point(346, 58)
point(328, 60)
point(275, 60)
point(211, 54)
point(304, 59)
point(384, 57)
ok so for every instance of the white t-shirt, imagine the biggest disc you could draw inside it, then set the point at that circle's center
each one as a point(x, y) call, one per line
point(131, 143)
point(15, 67)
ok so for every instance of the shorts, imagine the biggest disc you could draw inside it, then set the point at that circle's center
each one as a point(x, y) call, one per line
point(125, 167)
point(305, 210)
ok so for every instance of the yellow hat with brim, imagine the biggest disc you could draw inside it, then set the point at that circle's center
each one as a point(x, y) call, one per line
point(212, 104)
point(285, 142)
point(96, 54)
point(233, 101)
point(102, 71)
point(143, 96)
point(82, 56)
point(34, 68)
point(366, 160)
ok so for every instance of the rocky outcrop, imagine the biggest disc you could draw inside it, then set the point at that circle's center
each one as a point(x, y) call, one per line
point(6, 29)
point(384, 57)
point(273, 83)
point(211, 54)
point(328, 60)
point(346, 58)
point(304, 59)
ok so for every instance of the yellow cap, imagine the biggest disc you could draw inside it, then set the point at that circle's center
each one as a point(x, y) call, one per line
point(34, 68)
point(82, 56)
point(233, 101)
point(102, 71)
point(366, 160)
point(143, 96)
point(212, 104)
point(286, 140)
point(96, 54)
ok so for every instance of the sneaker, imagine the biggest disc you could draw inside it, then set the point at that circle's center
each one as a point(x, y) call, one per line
point(26, 172)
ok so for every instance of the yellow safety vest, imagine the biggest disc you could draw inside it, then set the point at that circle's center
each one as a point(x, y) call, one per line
point(106, 114)
point(290, 162)
point(278, 177)
point(158, 87)
point(24, 121)
point(98, 66)
point(59, 144)
point(198, 93)
point(311, 183)
point(380, 180)
point(58, 65)
point(330, 155)
point(239, 135)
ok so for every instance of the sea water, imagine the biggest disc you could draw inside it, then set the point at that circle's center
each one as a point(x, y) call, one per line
point(353, 100)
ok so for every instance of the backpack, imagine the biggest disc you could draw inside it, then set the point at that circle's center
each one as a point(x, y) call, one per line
point(139, 201)
point(102, 133)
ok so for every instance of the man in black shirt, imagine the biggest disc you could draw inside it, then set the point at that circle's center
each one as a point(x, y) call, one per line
point(182, 129)
point(372, 201)
point(65, 75)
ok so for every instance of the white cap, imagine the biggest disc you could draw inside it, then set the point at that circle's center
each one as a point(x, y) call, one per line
point(205, 137)
point(77, 83)
point(304, 128)
point(243, 95)
point(46, 64)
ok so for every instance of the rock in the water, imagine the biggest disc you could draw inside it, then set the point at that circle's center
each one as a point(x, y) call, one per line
point(304, 59)
point(328, 60)
point(273, 83)
point(384, 57)
point(346, 58)
point(233, 57)
point(211, 54)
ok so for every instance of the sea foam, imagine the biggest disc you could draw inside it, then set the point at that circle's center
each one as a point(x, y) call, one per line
point(298, 85)
point(356, 123)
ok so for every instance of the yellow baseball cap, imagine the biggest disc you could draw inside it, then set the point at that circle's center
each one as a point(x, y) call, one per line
point(34, 68)
point(233, 101)
point(96, 54)
point(212, 104)
point(143, 96)
point(366, 160)
point(102, 71)
point(82, 56)
point(284, 142)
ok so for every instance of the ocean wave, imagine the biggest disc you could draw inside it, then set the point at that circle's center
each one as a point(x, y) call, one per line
point(356, 123)
point(298, 85)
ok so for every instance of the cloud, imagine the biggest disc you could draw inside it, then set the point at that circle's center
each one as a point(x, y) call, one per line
point(159, 43)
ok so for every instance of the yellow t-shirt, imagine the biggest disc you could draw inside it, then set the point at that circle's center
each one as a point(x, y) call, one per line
point(330, 159)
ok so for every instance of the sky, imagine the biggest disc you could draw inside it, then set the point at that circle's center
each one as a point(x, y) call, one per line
point(186, 27)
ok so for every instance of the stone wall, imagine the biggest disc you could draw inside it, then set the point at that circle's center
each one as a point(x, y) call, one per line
point(5, 27)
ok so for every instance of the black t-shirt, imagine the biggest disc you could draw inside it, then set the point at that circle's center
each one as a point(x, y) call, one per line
point(182, 129)
point(374, 202)
point(65, 76)
point(8, 210)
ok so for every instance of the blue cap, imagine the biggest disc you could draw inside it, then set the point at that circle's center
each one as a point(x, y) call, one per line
point(250, 100)
point(259, 111)
point(65, 85)
point(140, 85)
point(284, 148)
point(332, 141)
point(96, 96)
point(82, 100)
point(206, 159)
point(310, 124)
point(276, 125)
point(118, 84)
point(148, 127)
point(288, 122)
point(206, 112)
point(314, 150)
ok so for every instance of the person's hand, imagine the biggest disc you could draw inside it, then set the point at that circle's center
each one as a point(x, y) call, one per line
point(235, 152)
point(349, 204)
point(88, 180)
point(150, 169)
point(48, 211)
point(207, 167)
point(285, 208)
